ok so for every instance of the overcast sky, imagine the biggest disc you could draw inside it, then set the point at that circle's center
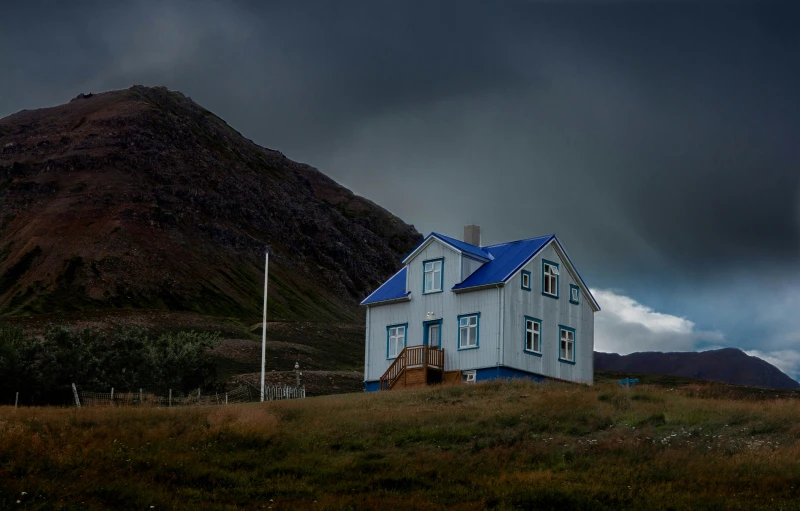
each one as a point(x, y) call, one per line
point(659, 140)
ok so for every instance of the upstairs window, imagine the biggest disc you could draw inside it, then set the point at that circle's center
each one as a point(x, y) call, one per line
point(567, 344)
point(433, 276)
point(526, 280)
point(468, 331)
point(550, 278)
point(574, 294)
point(397, 340)
point(533, 335)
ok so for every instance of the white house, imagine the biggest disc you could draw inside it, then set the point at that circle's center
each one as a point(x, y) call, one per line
point(460, 311)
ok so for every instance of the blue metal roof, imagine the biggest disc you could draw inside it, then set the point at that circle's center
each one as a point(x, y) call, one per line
point(392, 289)
point(507, 258)
point(503, 260)
point(463, 246)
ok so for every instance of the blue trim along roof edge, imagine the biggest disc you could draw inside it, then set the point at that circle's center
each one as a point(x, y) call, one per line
point(460, 246)
point(391, 290)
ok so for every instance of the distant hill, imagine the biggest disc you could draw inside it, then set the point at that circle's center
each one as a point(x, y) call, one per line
point(728, 365)
point(142, 199)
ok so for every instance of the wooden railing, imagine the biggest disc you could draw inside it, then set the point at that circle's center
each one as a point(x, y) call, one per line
point(412, 356)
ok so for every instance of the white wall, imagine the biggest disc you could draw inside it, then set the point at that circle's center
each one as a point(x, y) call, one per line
point(552, 312)
point(446, 306)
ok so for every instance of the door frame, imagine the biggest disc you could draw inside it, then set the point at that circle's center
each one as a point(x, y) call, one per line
point(425, 326)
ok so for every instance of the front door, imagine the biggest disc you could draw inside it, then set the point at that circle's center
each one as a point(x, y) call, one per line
point(433, 335)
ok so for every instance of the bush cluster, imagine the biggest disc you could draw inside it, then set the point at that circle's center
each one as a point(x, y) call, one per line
point(43, 368)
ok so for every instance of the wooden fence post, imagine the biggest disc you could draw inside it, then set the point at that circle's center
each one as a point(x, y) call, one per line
point(169, 403)
point(140, 396)
point(226, 398)
point(16, 400)
point(112, 395)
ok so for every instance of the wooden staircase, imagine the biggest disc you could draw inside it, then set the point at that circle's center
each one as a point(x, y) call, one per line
point(415, 365)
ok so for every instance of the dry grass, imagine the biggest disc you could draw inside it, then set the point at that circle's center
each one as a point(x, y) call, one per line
point(494, 445)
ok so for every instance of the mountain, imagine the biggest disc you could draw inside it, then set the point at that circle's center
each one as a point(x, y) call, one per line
point(142, 199)
point(728, 365)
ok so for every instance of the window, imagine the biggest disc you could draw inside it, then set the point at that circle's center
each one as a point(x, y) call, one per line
point(526, 280)
point(550, 278)
point(574, 294)
point(433, 333)
point(396, 340)
point(533, 335)
point(468, 331)
point(566, 352)
point(433, 276)
point(467, 376)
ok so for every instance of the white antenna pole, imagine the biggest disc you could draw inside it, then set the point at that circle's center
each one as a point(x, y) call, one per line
point(264, 326)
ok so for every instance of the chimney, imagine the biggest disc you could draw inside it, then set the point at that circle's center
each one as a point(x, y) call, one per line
point(472, 235)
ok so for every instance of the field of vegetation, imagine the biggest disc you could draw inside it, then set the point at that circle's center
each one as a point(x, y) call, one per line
point(501, 445)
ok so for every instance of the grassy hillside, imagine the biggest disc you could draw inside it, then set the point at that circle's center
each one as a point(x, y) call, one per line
point(496, 445)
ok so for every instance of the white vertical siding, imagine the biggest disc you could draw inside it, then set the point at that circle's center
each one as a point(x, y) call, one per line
point(446, 306)
point(552, 312)
point(468, 267)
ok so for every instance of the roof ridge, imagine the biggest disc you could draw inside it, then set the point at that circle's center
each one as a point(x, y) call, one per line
point(518, 241)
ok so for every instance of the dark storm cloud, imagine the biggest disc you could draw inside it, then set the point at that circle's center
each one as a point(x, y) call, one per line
point(659, 138)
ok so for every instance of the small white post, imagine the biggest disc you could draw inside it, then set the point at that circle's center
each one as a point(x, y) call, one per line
point(169, 403)
point(226, 398)
point(75, 393)
point(140, 396)
point(16, 400)
point(112, 395)
point(264, 325)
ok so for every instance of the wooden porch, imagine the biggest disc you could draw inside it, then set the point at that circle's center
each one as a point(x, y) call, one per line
point(414, 366)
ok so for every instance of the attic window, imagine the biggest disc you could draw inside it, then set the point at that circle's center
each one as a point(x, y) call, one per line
point(526, 280)
point(550, 278)
point(433, 276)
point(574, 294)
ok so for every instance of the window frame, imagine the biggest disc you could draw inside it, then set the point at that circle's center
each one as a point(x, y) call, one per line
point(425, 274)
point(425, 326)
point(577, 300)
point(466, 374)
point(546, 263)
point(564, 328)
point(477, 315)
point(389, 339)
point(524, 274)
point(525, 335)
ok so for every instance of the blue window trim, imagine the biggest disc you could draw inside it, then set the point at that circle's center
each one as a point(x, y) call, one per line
point(525, 336)
point(425, 325)
point(574, 344)
point(441, 276)
point(522, 280)
point(477, 334)
point(571, 287)
point(558, 278)
point(405, 338)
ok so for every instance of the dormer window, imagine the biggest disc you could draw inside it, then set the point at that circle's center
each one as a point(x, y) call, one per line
point(550, 278)
point(434, 274)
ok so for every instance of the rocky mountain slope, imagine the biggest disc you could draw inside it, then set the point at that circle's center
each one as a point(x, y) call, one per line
point(728, 365)
point(142, 199)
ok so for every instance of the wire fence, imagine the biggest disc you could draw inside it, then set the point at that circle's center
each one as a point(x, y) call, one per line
point(243, 394)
